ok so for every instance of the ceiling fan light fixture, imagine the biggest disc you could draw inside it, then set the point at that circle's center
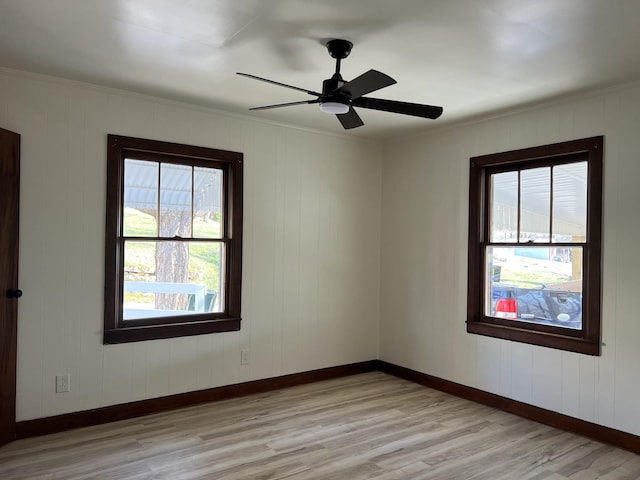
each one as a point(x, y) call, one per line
point(334, 107)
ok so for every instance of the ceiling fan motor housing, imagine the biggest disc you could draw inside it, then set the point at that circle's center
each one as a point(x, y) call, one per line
point(339, 48)
point(330, 85)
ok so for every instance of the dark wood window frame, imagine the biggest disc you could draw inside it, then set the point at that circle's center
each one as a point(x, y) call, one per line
point(116, 330)
point(588, 339)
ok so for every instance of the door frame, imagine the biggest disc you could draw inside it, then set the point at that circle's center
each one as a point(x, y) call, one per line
point(9, 225)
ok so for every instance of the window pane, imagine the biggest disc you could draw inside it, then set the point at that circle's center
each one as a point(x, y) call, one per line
point(535, 204)
point(172, 278)
point(207, 198)
point(535, 284)
point(504, 207)
point(570, 202)
point(140, 198)
point(175, 200)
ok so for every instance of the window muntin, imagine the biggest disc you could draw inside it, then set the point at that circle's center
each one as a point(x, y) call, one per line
point(173, 249)
point(536, 277)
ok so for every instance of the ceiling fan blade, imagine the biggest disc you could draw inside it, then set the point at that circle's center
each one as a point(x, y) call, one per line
point(366, 83)
point(350, 119)
point(310, 92)
point(404, 108)
point(303, 102)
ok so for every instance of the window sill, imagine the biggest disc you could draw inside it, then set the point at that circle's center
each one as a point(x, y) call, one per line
point(543, 339)
point(155, 332)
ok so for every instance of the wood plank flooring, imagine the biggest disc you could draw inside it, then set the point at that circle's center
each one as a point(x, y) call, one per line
point(368, 426)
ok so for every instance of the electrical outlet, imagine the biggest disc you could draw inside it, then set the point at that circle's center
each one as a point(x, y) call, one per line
point(244, 356)
point(63, 383)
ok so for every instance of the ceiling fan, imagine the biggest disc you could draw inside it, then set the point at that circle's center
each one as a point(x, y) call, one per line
point(339, 97)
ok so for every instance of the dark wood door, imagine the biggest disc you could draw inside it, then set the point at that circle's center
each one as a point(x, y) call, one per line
point(9, 292)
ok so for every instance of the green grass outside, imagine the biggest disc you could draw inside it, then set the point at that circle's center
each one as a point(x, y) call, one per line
point(530, 279)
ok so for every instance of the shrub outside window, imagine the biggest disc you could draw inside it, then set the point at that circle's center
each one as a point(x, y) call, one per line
point(173, 240)
point(535, 245)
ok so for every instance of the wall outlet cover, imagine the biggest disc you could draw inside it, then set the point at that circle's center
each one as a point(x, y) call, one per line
point(63, 383)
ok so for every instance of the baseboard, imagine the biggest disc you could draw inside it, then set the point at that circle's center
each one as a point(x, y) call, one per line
point(124, 411)
point(86, 418)
point(590, 430)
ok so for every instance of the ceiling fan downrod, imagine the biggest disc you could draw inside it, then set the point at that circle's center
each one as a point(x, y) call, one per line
point(338, 49)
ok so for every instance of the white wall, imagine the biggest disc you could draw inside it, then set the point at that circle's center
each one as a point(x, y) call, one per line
point(311, 248)
point(424, 263)
point(312, 254)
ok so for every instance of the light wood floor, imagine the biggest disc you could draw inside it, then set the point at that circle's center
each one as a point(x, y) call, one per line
point(369, 426)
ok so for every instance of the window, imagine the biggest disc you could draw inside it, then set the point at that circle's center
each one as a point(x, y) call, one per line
point(535, 245)
point(173, 250)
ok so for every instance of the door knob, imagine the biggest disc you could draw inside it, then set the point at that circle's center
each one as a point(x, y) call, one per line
point(14, 293)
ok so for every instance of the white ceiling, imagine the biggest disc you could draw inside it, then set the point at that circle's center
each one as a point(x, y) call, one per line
point(470, 56)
